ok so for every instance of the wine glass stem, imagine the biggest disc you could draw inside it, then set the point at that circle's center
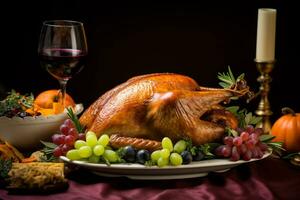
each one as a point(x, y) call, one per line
point(63, 85)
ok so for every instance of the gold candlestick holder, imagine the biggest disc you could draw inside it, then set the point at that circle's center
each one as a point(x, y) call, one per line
point(264, 108)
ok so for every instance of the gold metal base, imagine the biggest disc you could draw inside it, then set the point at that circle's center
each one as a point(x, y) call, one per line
point(264, 108)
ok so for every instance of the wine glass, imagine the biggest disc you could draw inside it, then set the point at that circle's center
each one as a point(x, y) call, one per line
point(62, 51)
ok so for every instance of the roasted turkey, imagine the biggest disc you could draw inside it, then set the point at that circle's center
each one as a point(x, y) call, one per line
point(154, 106)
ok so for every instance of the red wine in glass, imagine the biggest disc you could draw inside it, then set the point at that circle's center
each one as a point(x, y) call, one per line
point(62, 50)
point(62, 63)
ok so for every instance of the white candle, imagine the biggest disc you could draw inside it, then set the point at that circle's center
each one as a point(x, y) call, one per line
point(265, 43)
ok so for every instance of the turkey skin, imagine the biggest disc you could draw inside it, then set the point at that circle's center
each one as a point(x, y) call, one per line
point(160, 105)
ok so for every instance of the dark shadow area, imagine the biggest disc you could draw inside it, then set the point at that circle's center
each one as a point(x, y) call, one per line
point(243, 172)
point(216, 179)
point(87, 177)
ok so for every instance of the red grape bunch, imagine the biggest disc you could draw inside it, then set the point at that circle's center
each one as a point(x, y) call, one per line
point(66, 138)
point(244, 146)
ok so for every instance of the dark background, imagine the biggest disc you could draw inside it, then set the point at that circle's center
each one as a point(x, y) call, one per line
point(128, 38)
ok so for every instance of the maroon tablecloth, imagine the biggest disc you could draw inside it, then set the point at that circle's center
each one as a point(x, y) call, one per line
point(266, 179)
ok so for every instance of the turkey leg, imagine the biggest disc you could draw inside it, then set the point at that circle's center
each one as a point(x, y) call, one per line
point(177, 114)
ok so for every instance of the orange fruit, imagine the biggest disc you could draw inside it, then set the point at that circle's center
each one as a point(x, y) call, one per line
point(48, 99)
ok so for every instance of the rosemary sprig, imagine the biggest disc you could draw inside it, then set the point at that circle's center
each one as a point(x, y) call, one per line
point(228, 81)
point(236, 85)
point(75, 120)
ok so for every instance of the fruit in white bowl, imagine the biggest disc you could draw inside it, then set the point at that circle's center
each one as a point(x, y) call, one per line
point(27, 132)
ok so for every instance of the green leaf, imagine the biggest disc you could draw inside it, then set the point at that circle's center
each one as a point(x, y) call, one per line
point(276, 144)
point(255, 120)
point(234, 98)
point(251, 119)
point(233, 109)
point(48, 158)
point(244, 117)
point(121, 152)
point(105, 161)
point(194, 150)
point(189, 144)
point(276, 147)
point(231, 74)
point(213, 145)
point(49, 144)
point(225, 78)
point(5, 166)
point(224, 85)
point(248, 118)
point(231, 132)
point(240, 77)
point(207, 150)
point(290, 155)
point(48, 152)
point(266, 138)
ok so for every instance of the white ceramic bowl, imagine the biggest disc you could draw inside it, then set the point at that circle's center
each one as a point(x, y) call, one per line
point(26, 133)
